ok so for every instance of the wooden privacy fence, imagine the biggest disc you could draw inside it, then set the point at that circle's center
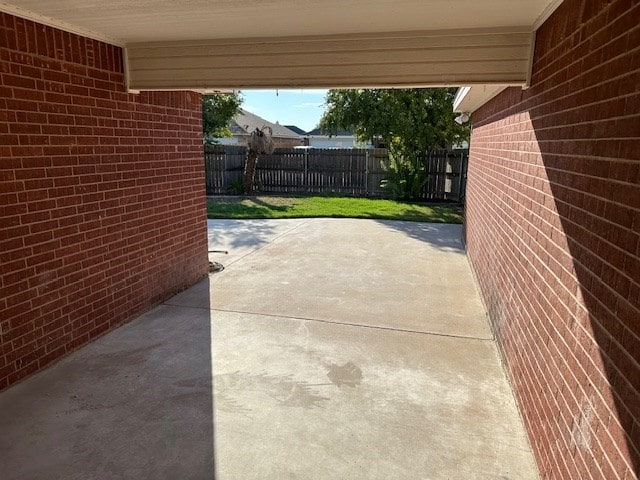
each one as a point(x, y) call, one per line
point(353, 172)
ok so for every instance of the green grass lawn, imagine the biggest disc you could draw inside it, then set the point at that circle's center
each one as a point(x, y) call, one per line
point(321, 206)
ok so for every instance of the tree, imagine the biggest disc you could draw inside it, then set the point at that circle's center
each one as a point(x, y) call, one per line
point(217, 112)
point(409, 122)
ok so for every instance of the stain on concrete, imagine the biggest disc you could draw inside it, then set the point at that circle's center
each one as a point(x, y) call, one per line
point(231, 390)
point(88, 402)
point(348, 374)
point(110, 364)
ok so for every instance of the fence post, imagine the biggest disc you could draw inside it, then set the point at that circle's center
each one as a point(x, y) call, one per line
point(207, 173)
point(306, 171)
point(225, 178)
point(366, 172)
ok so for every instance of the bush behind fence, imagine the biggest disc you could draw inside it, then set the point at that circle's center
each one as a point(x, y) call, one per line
point(353, 172)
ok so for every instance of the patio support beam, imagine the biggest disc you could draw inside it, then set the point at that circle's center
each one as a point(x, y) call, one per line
point(418, 58)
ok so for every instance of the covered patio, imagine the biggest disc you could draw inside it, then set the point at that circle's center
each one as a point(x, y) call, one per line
point(103, 219)
point(327, 348)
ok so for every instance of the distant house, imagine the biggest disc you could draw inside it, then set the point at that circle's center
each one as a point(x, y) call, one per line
point(342, 139)
point(244, 123)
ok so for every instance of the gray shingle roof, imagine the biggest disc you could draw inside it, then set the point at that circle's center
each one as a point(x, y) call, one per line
point(295, 129)
point(246, 122)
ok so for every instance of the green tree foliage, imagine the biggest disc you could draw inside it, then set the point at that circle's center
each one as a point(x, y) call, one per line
point(217, 112)
point(409, 122)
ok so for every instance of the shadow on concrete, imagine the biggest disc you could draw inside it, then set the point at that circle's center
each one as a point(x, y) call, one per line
point(239, 234)
point(442, 236)
point(135, 404)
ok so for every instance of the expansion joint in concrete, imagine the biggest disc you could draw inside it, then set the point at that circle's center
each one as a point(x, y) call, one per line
point(358, 325)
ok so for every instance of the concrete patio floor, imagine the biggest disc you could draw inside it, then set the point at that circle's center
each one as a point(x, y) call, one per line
point(326, 349)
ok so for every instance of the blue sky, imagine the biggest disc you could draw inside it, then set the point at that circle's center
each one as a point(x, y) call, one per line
point(302, 108)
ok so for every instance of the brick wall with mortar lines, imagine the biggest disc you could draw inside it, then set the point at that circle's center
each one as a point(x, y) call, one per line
point(553, 235)
point(101, 195)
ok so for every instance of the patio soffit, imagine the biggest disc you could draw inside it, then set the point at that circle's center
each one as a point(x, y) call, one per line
point(225, 44)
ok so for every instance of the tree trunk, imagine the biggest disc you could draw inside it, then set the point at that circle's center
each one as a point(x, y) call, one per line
point(250, 170)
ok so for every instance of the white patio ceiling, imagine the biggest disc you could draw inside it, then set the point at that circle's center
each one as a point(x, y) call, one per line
point(217, 44)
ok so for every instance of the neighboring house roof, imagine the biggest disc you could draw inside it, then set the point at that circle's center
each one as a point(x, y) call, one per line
point(246, 122)
point(295, 129)
point(320, 133)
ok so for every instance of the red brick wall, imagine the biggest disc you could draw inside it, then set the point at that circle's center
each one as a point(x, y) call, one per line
point(553, 234)
point(101, 195)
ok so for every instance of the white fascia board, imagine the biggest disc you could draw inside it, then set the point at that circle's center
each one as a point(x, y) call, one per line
point(460, 96)
point(470, 98)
